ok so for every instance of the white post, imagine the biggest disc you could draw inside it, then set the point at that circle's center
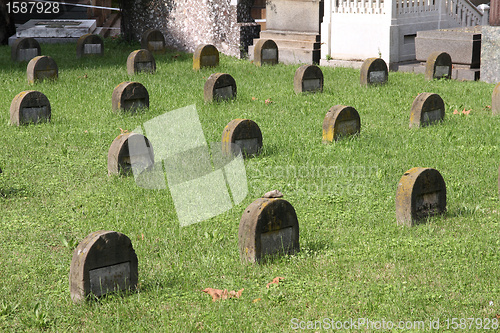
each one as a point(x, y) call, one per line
point(485, 9)
point(326, 33)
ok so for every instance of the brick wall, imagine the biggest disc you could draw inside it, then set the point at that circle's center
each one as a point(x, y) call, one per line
point(227, 24)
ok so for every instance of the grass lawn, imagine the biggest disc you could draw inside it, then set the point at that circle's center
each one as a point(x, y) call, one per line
point(355, 261)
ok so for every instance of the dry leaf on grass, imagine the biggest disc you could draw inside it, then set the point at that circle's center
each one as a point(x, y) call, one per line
point(456, 111)
point(268, 101)
point(466, 112)
point(276, 280)
point(256, 300)
point(222, 294)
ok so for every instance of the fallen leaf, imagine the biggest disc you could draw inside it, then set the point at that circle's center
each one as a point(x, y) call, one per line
point(253, 98)
point(256, 300)
point(276, 280)
point(466, 112)
point(488, 106)
point(268, 101)
point(456, 112)
point(123, 131)
point(498, 316)
point(222, 294)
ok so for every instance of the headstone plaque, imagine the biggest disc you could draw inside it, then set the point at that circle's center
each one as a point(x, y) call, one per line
point(130, 96)
point(427, 108)
point(268, 227)
point(103, 262)
point(120, 158)
point(340, 121)
point(421, 193)
point(438, 66)
point(245, 133)
point(141, 61)
point(29, 106)
point(495, 100)
point(374, 71)
point(153, 41)
point(219, 87)
point(41, 68)
point(205, 55)
point(308, 78)
point(25, 49)
point(265, 52)
point(89, 44)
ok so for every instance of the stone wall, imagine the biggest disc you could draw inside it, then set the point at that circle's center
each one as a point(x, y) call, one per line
point(227, 24)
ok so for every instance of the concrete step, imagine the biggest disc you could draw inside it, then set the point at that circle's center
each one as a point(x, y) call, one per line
point(289, 35)
point(288, 55)
point(294, 44)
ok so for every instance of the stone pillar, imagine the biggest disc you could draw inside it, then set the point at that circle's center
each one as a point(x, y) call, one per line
point(495, 13)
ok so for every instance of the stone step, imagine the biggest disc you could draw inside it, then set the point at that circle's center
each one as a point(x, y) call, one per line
point(288, 55)
point(289, 35)
point(294, 44)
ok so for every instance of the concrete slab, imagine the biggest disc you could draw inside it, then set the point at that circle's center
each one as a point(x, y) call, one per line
point(54, 31)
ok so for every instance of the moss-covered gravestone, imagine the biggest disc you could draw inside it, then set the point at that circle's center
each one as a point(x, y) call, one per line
point(219, 87)
point(427, 108)
point(373, 71)
point(88, 45)
point(245, 133)
point(205, 55)
point(308, 78)
point(340, 121)
point(438, 66)
point(25, 49)
point(141, 61)
point(127, 151)
point(153, 41)
point(130, 96)
point(265, 52)
point(42, 68)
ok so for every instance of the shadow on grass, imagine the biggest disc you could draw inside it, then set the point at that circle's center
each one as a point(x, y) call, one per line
point(13, 192)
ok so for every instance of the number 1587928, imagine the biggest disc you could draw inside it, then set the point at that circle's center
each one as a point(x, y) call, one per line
point(32, 7)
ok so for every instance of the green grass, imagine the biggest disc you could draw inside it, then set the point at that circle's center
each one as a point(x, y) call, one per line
point(355, 262)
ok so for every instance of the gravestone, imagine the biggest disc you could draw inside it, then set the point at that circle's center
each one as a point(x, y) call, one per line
point(153, 41)
point(268, 226)
point(495, 100)
point(373, 71)
point(438, 66)
point(427, 108)
point(103, 262)
point(265, 52)
point(120, 160)
point(219, 87)
point(308, 78)
point(205, 55)
point(130, 96)
point(140, 61)
point(340, 121)
point(89, 44)
point(29, 106)
point(41, 68)
point(421, 193)
point(25, 49)
point(245, 133)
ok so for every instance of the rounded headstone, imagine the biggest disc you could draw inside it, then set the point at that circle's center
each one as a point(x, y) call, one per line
point(308, 78)
point(426, 109)
point(421, 193)
point(153, 41)
point(141, 61)
point(89, 44)
point(373, 71)
point(205, 55)
point(103, 262)
point(130, 96)
point(41, 68)
point(438, 66)
point(340, 121)
point(268, 226)
point(265, 52)
point(245, 133)
point(25, 49)
point(219, 86)
point(129, 149)
point(495, 100)
point(29, 106)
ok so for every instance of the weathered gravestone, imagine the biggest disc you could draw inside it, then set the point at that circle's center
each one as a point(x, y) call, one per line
point(308, 78)
point(89, 44)
point(29, 106)
point(25, 49)
point(373, 71)
point(245, 133)
point(205, 55)
point(427, 108)
point(103, 262)
point(421, 193)
point(265, 52)
point(268, 226)
point(141, 61)
point(120, 158)
point(219, 87)
point(495, 100)
point(41, 68)
point(438, 66)
point(130, 96)
point(153, 41)
point(340, 121)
